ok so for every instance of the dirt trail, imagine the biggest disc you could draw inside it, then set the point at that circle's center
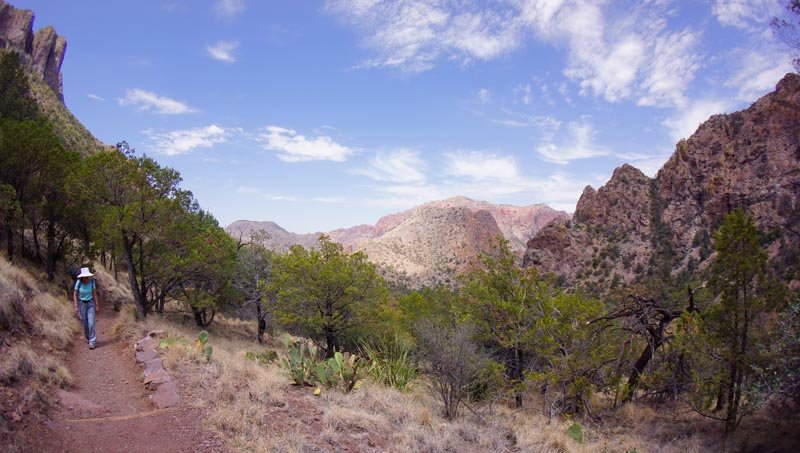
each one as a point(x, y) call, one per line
point(107, 409)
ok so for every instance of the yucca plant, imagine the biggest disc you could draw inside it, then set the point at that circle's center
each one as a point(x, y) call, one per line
point(392, 363)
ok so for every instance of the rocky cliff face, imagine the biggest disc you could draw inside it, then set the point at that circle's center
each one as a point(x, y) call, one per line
point(42, 52)
point(608, 239)
point(634, 226)
point(427, 244)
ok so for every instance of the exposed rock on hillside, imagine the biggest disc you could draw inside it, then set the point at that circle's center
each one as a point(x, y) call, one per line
point(269, 234)
point(611, 226)
point(42, 52)
point(634, 226)
point(426, 244)
point(434, 244)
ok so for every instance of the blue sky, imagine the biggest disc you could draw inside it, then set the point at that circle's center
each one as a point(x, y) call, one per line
point(326, 114)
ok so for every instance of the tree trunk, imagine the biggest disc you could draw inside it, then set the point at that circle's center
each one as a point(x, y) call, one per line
point(51, 251)
point(262, 323)
point(138, 297)
point(721, 401)
point(201, 317)
point(10, 241)
point(517, 376)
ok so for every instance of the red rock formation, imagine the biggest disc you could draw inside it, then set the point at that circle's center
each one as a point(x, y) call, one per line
point(633, 225)
point(42, 52)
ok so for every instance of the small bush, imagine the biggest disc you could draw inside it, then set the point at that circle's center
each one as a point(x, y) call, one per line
point(575, 432)
point(452, 360)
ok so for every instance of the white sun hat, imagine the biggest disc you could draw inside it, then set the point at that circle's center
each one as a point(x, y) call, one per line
point(85, 273)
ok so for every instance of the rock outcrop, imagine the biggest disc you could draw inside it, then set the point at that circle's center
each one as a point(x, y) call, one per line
point(41, 52)
point(636, 226)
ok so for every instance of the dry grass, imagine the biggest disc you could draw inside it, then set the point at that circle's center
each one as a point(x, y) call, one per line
point(255, 408)
point(36, 328)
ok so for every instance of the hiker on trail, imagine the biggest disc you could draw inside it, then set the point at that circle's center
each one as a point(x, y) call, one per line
point(87, 304)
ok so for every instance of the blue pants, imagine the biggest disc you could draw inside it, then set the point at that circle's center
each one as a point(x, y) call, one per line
point(87, 319)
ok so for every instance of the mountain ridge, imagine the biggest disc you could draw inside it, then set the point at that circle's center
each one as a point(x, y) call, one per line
point(635, 227)
point(429, 243)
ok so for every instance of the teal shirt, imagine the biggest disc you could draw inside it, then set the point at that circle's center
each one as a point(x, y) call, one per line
point(85, 289)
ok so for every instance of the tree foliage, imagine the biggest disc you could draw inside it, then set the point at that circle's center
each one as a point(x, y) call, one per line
point(730, 333)
point(325, 293)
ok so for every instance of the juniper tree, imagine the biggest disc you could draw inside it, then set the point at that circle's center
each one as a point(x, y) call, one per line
point(731, 330)
point(325, 293)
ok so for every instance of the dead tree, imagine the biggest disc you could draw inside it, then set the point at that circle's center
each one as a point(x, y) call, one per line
point(647, 318)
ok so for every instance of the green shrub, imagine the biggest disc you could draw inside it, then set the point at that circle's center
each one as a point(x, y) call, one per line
point(576, 432)
point(201, 345)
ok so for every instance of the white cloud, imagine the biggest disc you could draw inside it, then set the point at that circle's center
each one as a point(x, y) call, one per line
point(400, 166)
point(758, 73)
point(616, 54)
point(527, 97)
point(412, 35)
point(223, 51)
point(148, 101)
point(745, 14)
point(484, 96)
point(293, 147)
point(670, 69)
point(683, 123)
point(269, 196)
point(559, 190)
point(481, 166)
point(578, 144)
point(229, 8)
point(187, 140)
point(95, 97)
point(546, 124)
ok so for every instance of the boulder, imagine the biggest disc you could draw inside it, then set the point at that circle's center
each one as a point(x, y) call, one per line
point(146, 355)
point(166, 395)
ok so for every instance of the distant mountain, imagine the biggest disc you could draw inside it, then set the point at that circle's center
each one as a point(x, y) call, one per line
point(427, 244)
point(635, 226)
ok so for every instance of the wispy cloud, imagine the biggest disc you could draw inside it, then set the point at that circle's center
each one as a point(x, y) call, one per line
point(758, 72)
point(223, 51)
point(412, 35)
point(611, 54)
point(548, 125)
point(683, 123)
point(293, 147)
point(148, 101)
point(184, 141)
point(478, 165)
point(745, 14)
point(577, 143)
point(95, 97)
point(484, 96)
point(559, 190)
point(400, 166)
point(229, 8)
point(271, 196)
